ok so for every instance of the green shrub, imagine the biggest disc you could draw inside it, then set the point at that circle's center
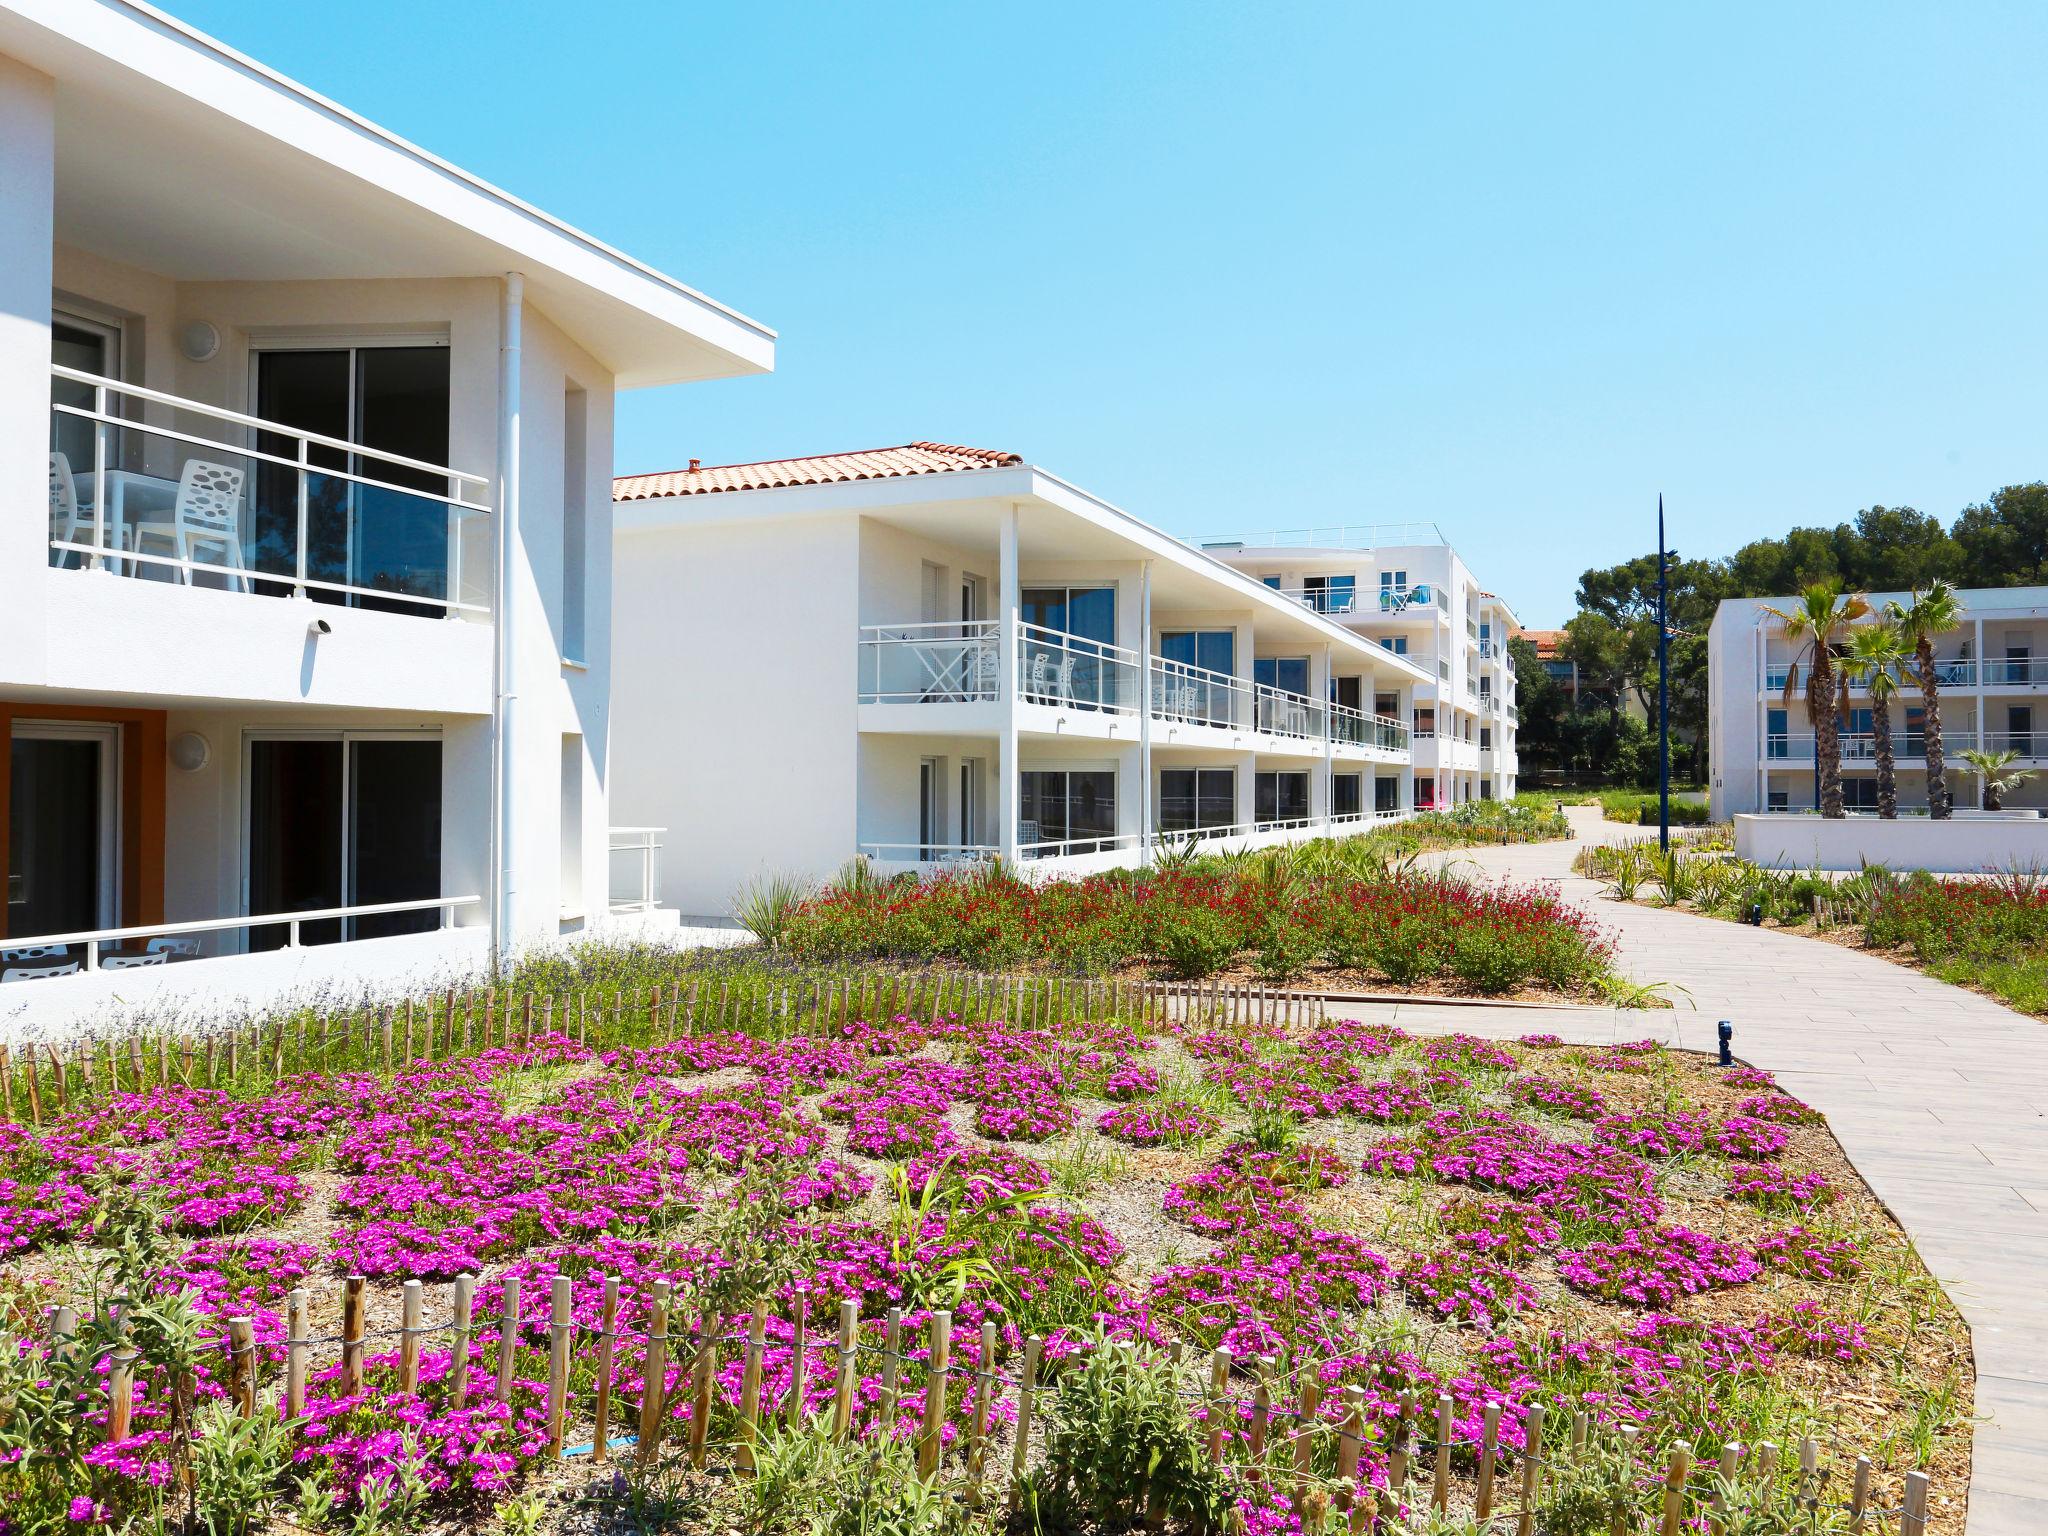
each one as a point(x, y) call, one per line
point(1488, 960)
point(1196, 942)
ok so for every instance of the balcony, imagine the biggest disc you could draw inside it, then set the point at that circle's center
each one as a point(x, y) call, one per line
point(959, 662)
point(250, 506)
point(1352, 727)
point(1959, 672)
point(635, 873)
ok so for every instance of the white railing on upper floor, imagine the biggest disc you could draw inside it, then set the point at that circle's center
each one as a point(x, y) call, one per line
point(259, 507)
point(1329, 536)
point(640, 888)
point(46, 956)
point(930, 853)
point(1359, 729)
point(948, 662)
point(1186, 694)
point(1068, 847)
point(1074, 672)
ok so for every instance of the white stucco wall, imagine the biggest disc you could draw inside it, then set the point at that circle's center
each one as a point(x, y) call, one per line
point(1968, 843)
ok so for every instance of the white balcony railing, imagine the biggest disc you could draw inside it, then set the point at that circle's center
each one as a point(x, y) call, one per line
point(1337, 601)
point(952, 662)
point(1072, 846)
point(1074, 672)
point(635, 873)
point(1277, 712)
point(1191, 695)
point(258, 507)
point(2027, 744)
point(1960, 672)
point(1359, 729)
point(930, 853)
point(66, 954)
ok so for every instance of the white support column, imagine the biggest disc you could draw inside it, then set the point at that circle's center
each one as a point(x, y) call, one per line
point(505, 609)
point(1009, 612)
point(1247, 789)
point(1982, 670)
point(1329, 737)
point(28, 144)
point(1144, 648)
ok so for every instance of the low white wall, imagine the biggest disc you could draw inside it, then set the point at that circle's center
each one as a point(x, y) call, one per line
point(1971, 842)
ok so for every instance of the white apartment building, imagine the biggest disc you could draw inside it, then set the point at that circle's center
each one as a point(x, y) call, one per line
point(929, 654)
point(1994, 696)
point(305, 529)
point(1403, 587)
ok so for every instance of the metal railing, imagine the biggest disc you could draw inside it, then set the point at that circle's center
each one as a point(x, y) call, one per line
point(1443, 668)
point(931, 853)
point(1330, 536)
point(1324, 600)
point(281, 512)
point(1209, 834)
point(2025, 743)
point(1958, 672)
point(1066, 847)
point(1191, 695)
point(48, 955)
point(1359, 729)
point(2018, 672)
point(1077, 673)
point(951, 662)
point(1277, 712)
point(641, 891)
point(1857, 746)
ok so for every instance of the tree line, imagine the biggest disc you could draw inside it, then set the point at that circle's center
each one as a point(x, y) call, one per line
point(2000, 542)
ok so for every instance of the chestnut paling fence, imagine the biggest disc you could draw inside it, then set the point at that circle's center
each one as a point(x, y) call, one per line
point(38, 1080)
point(1276, 1427)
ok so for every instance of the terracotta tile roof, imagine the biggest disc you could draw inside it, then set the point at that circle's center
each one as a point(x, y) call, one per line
point(818, 469)
point(1546, 641)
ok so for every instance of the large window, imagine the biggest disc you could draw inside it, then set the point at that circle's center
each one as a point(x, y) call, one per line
point(1086, 612)
point(1280, 797)
point(1386, 794)
point(1074, 808)
point(1347, 794)
point(1287, 673)
point(1212, 650)
point(1197, 799)
point(1330, 594)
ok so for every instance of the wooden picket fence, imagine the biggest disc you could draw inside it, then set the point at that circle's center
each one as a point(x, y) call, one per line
point(37, 1081)
point(1279, 1423)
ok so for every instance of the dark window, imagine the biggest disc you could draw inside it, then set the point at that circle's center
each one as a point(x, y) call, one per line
point(1345, 794)
point(1280, 797)
point(1192, 799)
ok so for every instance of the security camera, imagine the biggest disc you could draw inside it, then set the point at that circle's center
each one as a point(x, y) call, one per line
point(319, 627)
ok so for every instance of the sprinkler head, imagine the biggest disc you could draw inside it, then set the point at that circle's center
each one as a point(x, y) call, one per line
point(1726, 1031)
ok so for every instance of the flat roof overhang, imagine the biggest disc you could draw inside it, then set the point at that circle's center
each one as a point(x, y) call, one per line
point(181, 156)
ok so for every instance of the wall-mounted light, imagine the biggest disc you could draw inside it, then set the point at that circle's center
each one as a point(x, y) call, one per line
point(317, 628)
point(199, 340)
point(190, 751)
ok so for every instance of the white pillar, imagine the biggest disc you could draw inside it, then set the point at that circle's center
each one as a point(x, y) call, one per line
point(1009, 612)
point(505, 610)
point(1329, 737)
point(1144, 649)
point(1983, 662)
point(28, 159)
point(1247, 785)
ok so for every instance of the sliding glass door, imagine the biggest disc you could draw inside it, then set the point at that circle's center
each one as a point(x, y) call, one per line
point(1197, 799)
point(1073, 809)
point(63, 820)
point(392, 398)
point(342, 822)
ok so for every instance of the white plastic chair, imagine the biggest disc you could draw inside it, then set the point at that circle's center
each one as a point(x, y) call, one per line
point(131, 962)
point(38, 972)
point(208, 512)
point(69, 524)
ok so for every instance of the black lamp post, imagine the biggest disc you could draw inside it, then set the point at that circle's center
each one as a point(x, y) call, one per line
point(1663, 687)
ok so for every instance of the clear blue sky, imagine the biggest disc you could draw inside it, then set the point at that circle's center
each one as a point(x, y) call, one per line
point(1513, 268)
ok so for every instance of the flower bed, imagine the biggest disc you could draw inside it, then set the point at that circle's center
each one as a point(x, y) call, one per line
point(1403, 927)
point(1405, 1216)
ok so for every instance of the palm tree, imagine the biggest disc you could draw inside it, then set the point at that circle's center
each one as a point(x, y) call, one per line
point(1996, 771)
point(1875, 659)
point(1822, 614)
point(1933, 612)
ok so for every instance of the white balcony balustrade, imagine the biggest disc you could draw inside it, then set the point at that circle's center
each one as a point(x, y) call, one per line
point(1359, 729)
point(953, 662)
point(1189, 695)
point(634, 876)
point(1276, 712)
point(256, 506)
point(1074, 672)
point(48, 956)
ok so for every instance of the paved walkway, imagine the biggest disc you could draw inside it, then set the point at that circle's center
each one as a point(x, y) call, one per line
point(1939, 1096)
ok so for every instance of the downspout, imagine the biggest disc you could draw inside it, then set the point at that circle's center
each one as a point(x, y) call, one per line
point(504, 883)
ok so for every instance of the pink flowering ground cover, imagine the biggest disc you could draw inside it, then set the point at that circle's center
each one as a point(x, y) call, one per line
point(1621, 1231)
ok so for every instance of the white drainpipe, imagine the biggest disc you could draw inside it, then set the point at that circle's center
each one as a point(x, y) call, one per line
point(504, 885)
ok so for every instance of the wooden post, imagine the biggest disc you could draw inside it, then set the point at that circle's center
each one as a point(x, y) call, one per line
point(655, 1380)
point(352, 1335)
point(892, 1369)
point(1621, 1521)
point(607, 1350)
point(458, 1363)
point(1859, 1494)
point(1305, 1427)
point(1532, 1470)
point(409, 1337)
point(708, 1327)
point(35, 1097)
point(560, 1325)
point(242, 1363)
point(750, 1388)
point(799, 1362)
point(1440, 1488)
point(1027, 1388)
point(1913, 1520)
point(941, 1345)
point(1397, 1462)
point(6, 1086)
point(384, 1030)
point(1219, 1399)
point(984, 1397)
point(842, 1398)
point(1489, 1451)
point(1674, 1488)
point(1262, 1407)
point(1731, 1462)
point(508, 1338)
point(408, 1031)
point(121, 1393)
point(1349, 1439)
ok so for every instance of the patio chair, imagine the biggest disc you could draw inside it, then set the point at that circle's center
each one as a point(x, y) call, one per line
point(69, 523)
point(132, 962)
point(207, 513)
point(43, 972)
